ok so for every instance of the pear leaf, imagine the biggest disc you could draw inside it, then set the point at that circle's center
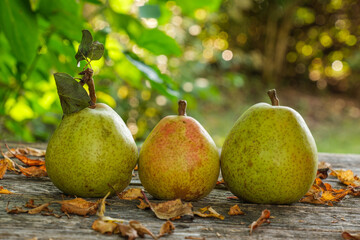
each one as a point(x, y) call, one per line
point(88, 48)
point(73, 97)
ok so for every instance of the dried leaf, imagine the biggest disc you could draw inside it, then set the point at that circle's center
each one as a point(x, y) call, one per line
point(127, 231)
point(167, 228)
point(265, 215)
point(31, 204)
point(35, 152)
point(140, 229)
point(323, 169)
point(233, 198)
point(51, 214)
point(3, 168)
point(323, 193)
point(235, 210)
point(350, 236)
point(346, 177)
point(33, 171)
point(101, 211)
point(26, 160)
point(220, 182)
point(131, 194)
point(4, 191)
point(143, 205)
point(171, 209)
point(355, 191)
point(10, 164)
point(15, 210)
point(136, 167)
point(195, 238)
point(104, 227)
point(43, 207)
point(208, 212)
point(78, 206)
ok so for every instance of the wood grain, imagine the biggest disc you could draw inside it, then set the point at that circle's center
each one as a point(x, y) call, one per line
point(295, 221)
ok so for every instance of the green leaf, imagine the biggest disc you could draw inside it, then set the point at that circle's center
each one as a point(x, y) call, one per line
point(189, 7)
point(73, 96)
point(97, 51)
point(19, 25)
point(88, 48)
point(149, 11)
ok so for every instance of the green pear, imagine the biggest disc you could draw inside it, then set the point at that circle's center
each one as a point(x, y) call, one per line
point(90, 150)
point(179, 159)
point(269, 155)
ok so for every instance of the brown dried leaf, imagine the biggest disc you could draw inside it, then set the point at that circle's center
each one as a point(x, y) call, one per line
point(15, 210)
point(51, 214)
point(78, 206)
point(233, 198)
point(127, 231)
point(208, 212)
point(3, 168)
point(31, 204)
point(323, 169)
point(346, 177)
point(195, 238)
point(131, 194)
point(140, 229)
point(136, 167)
point(101, 210)
point(10, 164)
point(323, 193)
point(143, 205)
point(43, 207)
point(4, 191)
point(34, 171)
point(221, 181)
point(265, 215)
point(24, 159)
point(104, 227)
point(35, 152)
point(167, 228)
point(350, 236)
point(171, 209)
point(235, 210)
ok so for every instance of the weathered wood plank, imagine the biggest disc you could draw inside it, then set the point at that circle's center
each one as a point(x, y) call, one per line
point(295, 221)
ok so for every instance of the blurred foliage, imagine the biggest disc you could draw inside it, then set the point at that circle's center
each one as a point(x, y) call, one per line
point(158, 51)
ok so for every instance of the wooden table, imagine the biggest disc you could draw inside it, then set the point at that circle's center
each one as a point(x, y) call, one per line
point(295, 221)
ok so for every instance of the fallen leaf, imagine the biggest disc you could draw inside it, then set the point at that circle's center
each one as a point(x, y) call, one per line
point(355, 191)
point(196, 238)
point(323, 169)
point(265, 215)
point(140, 229)
point(346, 177)
point(323, 193)
point(167, 228)
point(208, 212)
point(143, 205)
point(136, 167)
point(33, 171)
point(101, 210)
point(127, 231)
point(35, 152)
point(220, 182)
point(51, 214)
point(31, 204)
point(78, 206)
point(43, 207)
point(171, 209)
point(131, 194)
point(350, 236)
point(26, 160)
point(4, 191)
point(10, 164)
point(15, 210)
point(3, 168)
point(104, 227)
point(232, 198)
point(235, 210)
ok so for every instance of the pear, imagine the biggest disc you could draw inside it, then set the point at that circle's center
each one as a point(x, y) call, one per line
point(269, 155)
point(90, 151)
point(179, 159)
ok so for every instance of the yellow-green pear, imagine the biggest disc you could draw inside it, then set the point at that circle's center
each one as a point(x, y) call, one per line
point(179, 159)
point(269, 155)
point(90, 150)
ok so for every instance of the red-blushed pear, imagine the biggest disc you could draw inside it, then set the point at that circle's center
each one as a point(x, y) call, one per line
point(269, 155)
point(179, 159)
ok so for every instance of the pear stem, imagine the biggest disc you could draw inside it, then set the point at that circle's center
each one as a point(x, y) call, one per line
point(273, 97)
point(88, 79)
point(182, 107)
